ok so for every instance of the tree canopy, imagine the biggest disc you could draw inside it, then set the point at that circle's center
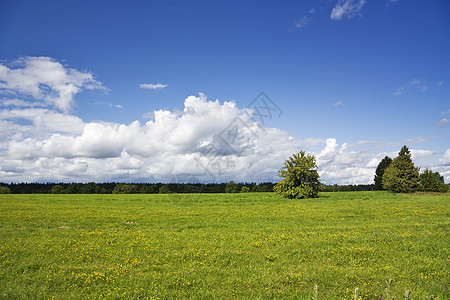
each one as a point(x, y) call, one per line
point(401, 176)
point(384, 163)
point(432, 182)
point(300, 177)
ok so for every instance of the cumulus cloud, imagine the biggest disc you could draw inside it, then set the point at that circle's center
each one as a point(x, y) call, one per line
point(173, 142)
point(208, 139)
point(347, 8)
point(46, 81)
point(445, 160)
point(151, 86)
point(342, 164)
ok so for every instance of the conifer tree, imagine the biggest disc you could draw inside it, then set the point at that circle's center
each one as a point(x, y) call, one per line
point(384, 163)
point(401, 176)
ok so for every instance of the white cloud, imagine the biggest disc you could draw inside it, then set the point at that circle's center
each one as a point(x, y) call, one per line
point(151, 86)
point(40, 121)
point(445, 112)
point(443, 121)
point(413, 84)
point(342, 165)
point(417, 154)
point(211, 140)
point(20, 103)
point(302, 22)
point(107, 104)
point(173, 142)
point(47, 81)
point(177, 142)
point(445, 160)
point(338, 103)
point(347, 8)
point(441, 83)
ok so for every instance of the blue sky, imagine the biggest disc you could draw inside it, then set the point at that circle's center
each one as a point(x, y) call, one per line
point(354, 79)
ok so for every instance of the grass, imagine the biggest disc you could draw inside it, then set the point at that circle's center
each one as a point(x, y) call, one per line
point(222, 246)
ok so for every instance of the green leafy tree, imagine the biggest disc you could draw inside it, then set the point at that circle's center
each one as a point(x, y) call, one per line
point(90, 188)
point(123, 188)
point(167, 189)
point(300, 177)
point(73, 188)
point(231, 187)
point(401, 176)
point(245, 189)
point(432, 182)
point(57, 189)
point(5, 190)
point(384, 163)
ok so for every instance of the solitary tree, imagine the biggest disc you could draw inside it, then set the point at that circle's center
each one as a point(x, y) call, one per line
point(401, 176)
point(384, 163)
point(432, 182)
point(300, 177)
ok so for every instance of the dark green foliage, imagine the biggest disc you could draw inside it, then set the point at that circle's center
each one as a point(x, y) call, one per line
point(432, 182)
point(384, 163)
point(57, 189)
point(123, 188)
point(245, 189)
point(73, 188)
point(5, 190)
point(143, 188)
point(167, 189)
point(348, 188)
point(231, 187)
point(300, 177)
point(401, 176)
point(90, 188)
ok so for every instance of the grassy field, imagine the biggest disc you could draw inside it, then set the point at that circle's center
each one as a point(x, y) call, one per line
point(212, 246)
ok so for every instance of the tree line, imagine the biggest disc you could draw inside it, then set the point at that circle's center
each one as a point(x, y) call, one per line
point(157, 188)
point(133, 188)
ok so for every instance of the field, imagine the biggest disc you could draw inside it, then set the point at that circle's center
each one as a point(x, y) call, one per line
point(224, 246)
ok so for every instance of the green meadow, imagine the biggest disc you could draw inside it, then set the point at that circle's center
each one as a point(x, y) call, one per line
point(224, 246)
